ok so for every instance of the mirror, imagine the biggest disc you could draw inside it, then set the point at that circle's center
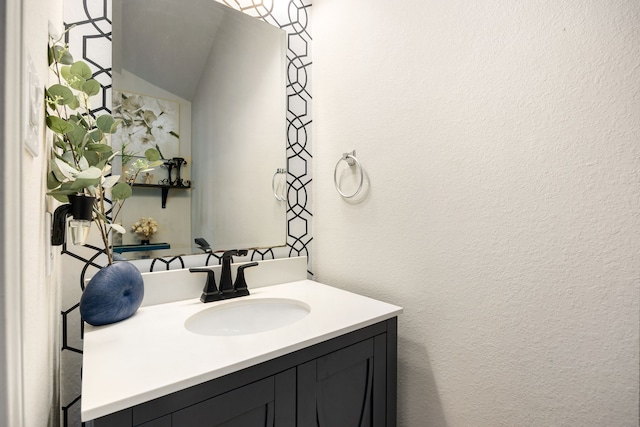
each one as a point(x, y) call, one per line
point(206, 85)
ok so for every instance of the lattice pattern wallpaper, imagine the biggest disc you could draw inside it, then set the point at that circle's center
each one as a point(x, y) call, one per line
point(90, 39)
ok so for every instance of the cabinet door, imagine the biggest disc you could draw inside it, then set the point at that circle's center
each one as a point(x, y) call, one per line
point(344, 388)
point(263, 403)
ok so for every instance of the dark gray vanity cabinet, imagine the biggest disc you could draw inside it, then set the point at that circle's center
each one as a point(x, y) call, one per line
point(346, 381)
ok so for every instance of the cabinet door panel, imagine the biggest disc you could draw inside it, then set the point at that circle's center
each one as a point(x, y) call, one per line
point(285, 399)
point(344, 398)
point(248, 406)
point(337, 389)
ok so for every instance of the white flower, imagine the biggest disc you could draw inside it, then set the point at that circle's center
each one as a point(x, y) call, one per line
point(163, 126)
point(142, 138)
point(132, 103)
point(165, 108)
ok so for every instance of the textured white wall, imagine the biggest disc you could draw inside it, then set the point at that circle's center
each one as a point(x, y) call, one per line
point(502, 146)
point(39, 291)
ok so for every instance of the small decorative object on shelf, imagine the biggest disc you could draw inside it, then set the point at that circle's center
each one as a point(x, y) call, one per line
point(145, 228)
point(169, 164)
point(175, 164)
point(179, 161)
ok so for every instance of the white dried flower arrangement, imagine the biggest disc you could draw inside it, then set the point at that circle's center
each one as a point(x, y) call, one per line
point(145, 227)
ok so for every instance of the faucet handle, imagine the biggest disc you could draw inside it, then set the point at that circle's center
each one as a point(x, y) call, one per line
point(240, 285)
point(210, 292)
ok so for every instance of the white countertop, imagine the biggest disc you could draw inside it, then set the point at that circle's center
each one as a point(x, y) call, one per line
point(151, 354)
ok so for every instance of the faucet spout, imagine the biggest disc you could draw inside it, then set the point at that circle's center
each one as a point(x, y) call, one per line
point(226, 284)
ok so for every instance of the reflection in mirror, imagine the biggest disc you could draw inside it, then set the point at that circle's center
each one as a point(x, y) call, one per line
point(205, 84)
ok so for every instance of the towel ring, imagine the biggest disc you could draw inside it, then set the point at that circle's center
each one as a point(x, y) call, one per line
point(351, 160)
point(273, 185)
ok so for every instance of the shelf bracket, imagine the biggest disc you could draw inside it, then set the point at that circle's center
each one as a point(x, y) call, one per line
point(165, 193)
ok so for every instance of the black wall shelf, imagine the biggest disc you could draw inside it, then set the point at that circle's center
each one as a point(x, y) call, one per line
point(137, 248)
point(164, 189)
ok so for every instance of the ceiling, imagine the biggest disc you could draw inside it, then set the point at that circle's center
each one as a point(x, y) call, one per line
point(177, 38)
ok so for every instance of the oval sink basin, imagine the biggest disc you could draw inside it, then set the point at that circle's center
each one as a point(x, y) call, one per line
point(247, 317)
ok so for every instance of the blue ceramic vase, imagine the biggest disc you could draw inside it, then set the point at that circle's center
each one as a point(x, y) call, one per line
point(113, 294)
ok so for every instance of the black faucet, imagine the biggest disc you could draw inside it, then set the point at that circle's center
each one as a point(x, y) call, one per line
point(227, 289)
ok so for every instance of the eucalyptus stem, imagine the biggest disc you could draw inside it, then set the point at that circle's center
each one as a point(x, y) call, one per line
point(103, 226)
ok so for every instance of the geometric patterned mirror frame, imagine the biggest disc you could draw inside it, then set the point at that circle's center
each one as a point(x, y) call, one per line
point(90, 40)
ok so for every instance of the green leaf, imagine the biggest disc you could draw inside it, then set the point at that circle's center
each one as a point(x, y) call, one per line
point(96, 136)
point(60, 54)
point(58, 125)
point(74, 80)
point(152, 154)
point(66, 58)
point(80, 121)
point(75, 104)
point(62, 192)
point(83, 164)
point(100, 148)
point(77, 135)
point(91, 87)
point(65, 168)
point(59, 142)
point(69, 158)
point(114, 126)
point(80, 68)
point(55, 170)
point(61, 94)
point(85, 141)
point(51, 54)
point(121, 191)
point(93, 158)
point(90, 173)
point(82, 183)
point(65, 72)
point(61, 197)
point(105, 122)
point(52, 181)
